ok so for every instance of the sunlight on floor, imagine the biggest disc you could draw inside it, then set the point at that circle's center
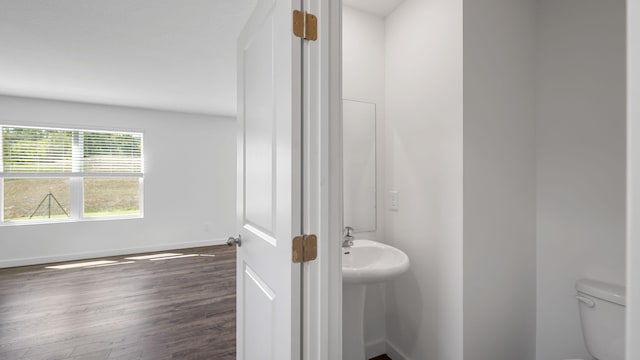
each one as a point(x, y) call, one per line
point(174, 257)
point(116, 263)
point(81, 264)
point(102, 263)
point(153, 256)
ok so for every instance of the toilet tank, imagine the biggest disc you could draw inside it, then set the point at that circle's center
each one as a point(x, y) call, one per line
point(602, 313)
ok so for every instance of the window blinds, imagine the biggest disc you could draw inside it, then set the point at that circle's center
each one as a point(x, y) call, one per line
point(39, 152)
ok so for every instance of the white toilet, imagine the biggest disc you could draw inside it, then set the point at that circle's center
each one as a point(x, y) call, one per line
point(602, 312)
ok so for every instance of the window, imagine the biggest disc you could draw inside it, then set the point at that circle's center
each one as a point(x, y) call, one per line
point(49, 174)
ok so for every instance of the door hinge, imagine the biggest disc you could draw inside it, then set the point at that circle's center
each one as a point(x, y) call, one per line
point(305, 25)
point(304, 248)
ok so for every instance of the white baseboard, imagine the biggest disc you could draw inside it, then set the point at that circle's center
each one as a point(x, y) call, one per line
point(375, 348)
point(110, 252)
point(394, 353)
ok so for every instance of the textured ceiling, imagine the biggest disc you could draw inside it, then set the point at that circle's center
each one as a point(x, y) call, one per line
point(164, 54)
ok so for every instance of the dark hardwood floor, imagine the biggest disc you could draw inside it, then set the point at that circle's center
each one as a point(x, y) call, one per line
point(181, 308)
point(381, 357)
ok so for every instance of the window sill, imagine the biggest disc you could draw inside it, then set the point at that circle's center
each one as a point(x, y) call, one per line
point(68, 221)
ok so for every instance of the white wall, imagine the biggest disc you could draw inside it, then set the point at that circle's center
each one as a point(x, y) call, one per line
point(580, 134)
point(633, 176)
point(424, 163)
point(189, 184)
point(363, 59)
point(499, 180)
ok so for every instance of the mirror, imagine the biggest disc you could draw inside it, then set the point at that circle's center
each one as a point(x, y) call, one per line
point(359, 165)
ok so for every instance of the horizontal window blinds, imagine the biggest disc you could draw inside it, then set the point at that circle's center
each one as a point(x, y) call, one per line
point(36, 150)
point(48, 151)
point(111, 152)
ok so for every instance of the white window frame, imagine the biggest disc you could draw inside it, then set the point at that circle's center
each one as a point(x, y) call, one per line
point(76, 182)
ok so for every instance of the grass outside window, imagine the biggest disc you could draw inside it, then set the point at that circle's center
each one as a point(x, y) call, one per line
point(111, 197)
point(27, 199)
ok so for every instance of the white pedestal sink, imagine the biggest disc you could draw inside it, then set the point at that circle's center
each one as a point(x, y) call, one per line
point(364, 263)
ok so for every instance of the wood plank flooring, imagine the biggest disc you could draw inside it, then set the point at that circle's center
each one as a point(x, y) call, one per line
point(381, 357)
point(182, 308)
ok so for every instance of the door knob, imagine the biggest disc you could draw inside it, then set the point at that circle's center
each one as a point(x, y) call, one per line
point(234, 241)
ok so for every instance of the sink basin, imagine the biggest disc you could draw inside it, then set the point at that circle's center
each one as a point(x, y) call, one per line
point(365, 262)
point(369, 261)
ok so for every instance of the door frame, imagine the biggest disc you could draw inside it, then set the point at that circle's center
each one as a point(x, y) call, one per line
point(633, 180)
point(322, 183)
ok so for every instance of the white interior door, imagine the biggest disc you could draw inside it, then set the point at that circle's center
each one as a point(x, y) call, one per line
point(269, 184)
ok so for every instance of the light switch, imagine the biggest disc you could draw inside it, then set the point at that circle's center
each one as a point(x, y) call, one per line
point(394, 201)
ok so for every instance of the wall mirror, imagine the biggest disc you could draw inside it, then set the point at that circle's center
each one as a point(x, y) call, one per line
point(359, 165)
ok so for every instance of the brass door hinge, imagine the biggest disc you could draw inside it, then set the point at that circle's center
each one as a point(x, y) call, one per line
point(305, 25)
point(304, 248)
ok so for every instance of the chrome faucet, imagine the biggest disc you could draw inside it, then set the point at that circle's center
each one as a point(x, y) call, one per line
point(347, 240)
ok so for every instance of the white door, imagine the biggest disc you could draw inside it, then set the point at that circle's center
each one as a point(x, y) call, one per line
point(269, 184)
